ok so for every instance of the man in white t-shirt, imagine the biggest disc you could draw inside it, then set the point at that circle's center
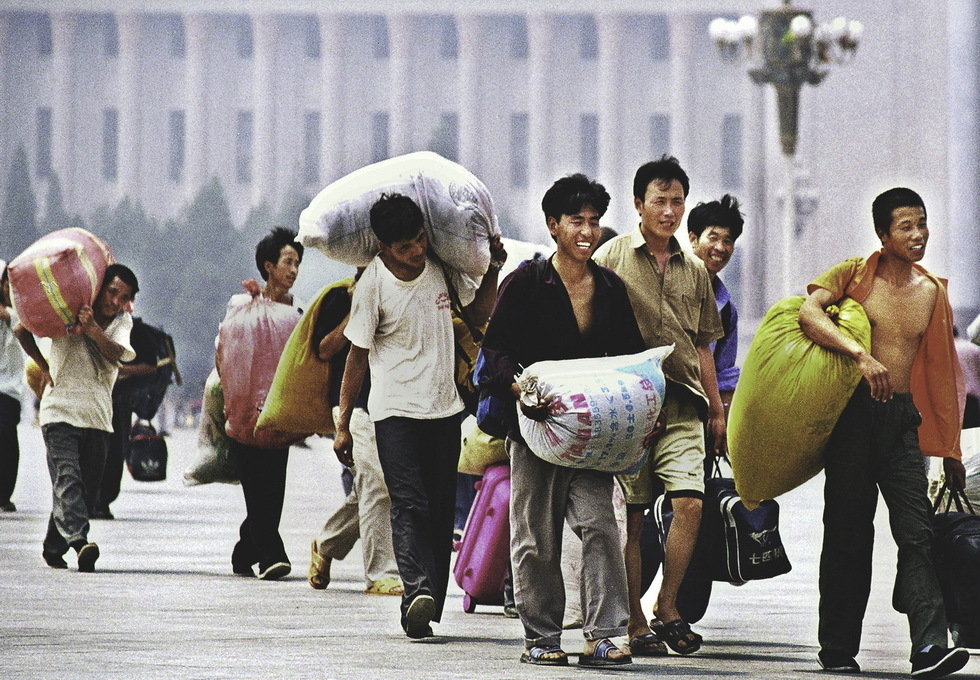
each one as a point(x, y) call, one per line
point(76, 411)
point(400, 323)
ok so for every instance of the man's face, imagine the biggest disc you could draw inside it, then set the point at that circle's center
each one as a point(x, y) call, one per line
point(576, 235)
point(408, 254)
point(714, 246)
point(284, 272)
point(113, 299)
point(661, 209)
point(907, 235)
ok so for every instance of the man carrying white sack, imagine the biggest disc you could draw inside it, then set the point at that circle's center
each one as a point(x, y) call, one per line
point(564, 307)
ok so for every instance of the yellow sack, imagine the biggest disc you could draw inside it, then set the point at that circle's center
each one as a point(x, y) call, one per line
point(480, 450)
point(299, 399)
point(32, 373)
point(788, 399)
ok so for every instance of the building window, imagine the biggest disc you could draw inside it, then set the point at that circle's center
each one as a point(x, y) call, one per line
point(311, 33)
point(176, 142)
point(731, 152)
point(45, 43)
point(111, 33)
point(44, 133)
point(519, 137)
point(589, 143)
point(659, 135)
point(518, 37)
point(659, 37)
point(588, 44)
point(379, 136)
point(177, 37)
point(243, 147)
point(110, 144)
point(379, 36)
point(311, 147)
point(244, 38)
point(445, 139)
point(448, 38)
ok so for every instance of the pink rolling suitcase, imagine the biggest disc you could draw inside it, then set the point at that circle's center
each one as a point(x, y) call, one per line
point(483, 557)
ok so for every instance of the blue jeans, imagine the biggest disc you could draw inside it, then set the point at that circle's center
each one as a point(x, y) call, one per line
point(419, 459)
point(76, 457)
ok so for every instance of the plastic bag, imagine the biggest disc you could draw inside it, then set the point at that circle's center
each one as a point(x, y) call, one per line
point(970, 445)
point(250, 341)
point(601, 409)
point(457, 207)
point(480, 450)
point(213, 462)
point(789, 397)
point(53, 278)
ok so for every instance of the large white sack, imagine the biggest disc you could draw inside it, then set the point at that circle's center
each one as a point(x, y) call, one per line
point(458, 211)
point(970, 445)
point(973, 331)
point(601, 409)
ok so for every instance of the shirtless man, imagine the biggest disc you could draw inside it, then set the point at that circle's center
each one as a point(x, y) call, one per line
point(902, 403)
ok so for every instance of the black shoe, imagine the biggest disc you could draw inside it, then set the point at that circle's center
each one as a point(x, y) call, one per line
point(417, 617)
point(54, 560)
point(837, 662)
point(510, 611)
point(274, 571)
point(938, 662)
point(8, 507)
point(102, 513)
point(87, 555)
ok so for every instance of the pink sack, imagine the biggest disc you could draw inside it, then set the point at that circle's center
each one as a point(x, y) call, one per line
point(250, 340)
point(55, 277)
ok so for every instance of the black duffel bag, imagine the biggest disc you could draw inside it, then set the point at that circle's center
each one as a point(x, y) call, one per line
point(147, 460)
point(956, 551)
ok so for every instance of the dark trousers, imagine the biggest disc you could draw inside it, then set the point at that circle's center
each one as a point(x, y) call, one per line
point(875, 446)
point(122, 424)
point(419, 459)
point(263, 476)
point(9, 446)
point(75, 459)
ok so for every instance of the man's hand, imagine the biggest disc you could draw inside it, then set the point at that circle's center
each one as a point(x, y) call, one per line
point(877, 376)
point(343, 447)
point(718, 432)
point(538, 412)
point(498, 254)
point(955, 474)
point(659, 428)
point(86, 318)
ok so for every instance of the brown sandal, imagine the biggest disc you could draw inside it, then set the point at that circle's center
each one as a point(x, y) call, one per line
point(319, 575)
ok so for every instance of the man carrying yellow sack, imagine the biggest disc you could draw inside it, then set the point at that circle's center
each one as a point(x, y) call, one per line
point(912, 369)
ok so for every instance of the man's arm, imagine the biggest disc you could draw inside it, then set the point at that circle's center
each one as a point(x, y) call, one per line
point(27, 341)
point(333, 342)
point(137, 369)
point(818, 327)
point(350, 387)
point(716, 410)
point(109, 348)
point(479, 310)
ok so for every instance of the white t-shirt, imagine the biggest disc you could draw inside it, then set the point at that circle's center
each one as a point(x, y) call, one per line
point(83, 378)
point(407, 328)
point(11, 358)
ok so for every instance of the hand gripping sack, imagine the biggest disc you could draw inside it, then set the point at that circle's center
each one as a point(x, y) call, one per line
point(55, 277)
point(299, 399)
point(789, 397)
point(250, 341)
point(601, 409)
point(457, 208)
point(213, 462)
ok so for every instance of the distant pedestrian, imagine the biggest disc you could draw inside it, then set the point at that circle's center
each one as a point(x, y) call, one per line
point(11, 387)
point(76, 411)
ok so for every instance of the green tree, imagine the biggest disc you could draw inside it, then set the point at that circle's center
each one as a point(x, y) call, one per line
point(18, 218)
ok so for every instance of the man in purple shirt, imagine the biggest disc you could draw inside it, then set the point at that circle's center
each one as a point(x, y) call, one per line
point(713, 229)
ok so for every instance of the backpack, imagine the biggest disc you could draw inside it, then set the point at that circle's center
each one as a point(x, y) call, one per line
point(148, 394)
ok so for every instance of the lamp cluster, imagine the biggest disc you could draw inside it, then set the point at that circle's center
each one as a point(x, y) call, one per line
point(833, 41)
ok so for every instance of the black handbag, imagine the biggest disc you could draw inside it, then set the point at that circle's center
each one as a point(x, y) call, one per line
point(956, 552)
point(147, 459)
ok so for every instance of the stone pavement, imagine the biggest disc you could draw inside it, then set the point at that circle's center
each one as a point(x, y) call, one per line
point(164, 604)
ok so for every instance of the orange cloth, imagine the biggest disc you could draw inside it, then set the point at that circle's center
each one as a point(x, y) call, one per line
point(938, 389)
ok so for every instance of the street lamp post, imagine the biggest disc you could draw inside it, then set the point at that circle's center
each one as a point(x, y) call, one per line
point(784, 48)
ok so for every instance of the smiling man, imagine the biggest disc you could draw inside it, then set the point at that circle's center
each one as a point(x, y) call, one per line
point(908, 399)
point(76, 411)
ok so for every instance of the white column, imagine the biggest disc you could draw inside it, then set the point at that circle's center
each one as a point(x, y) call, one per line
point(683, 34)
point(5, 116)
point(611, 28)
point(63, 28)
point(331, 97)
point(196, 32)
point(757, 275)
point(470, 30)
point(129, 104)
point(540, 54)
point(403, 34)
point(264, 162)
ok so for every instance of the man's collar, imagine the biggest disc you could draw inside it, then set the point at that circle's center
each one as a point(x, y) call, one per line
point(637, 241)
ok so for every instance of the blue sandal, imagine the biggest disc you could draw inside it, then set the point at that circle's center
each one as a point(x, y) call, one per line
point(536, 655)
point(600, 656)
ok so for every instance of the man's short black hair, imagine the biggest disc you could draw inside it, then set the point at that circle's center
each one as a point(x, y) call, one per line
point(663, 171)
point(570, 194)
point(270, 248)
point(886, 203)
point(396, 217)
point(723, 213)
point(125, 275)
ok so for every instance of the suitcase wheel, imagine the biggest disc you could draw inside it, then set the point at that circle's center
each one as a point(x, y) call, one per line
point(469, 604)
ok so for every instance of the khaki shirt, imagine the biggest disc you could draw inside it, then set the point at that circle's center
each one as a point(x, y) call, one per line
point(676, 306)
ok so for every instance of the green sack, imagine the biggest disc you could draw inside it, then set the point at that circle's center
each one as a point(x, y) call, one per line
point(788, 399)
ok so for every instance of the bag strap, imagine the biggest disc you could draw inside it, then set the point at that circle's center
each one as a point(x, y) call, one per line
point(714, 467)
point(954, 498)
